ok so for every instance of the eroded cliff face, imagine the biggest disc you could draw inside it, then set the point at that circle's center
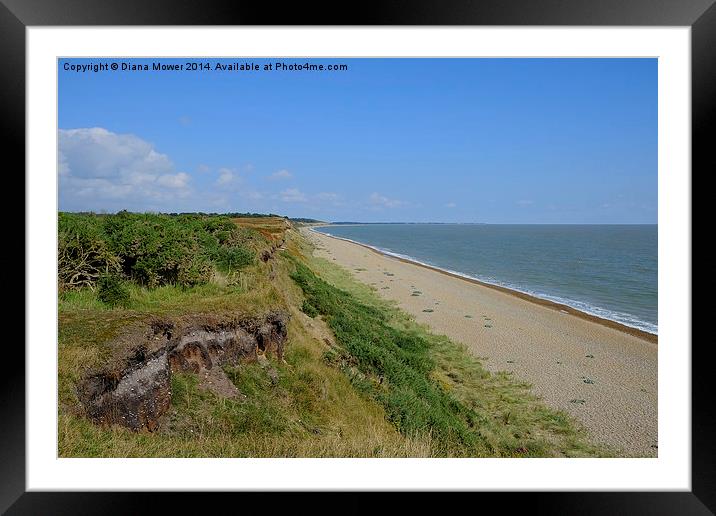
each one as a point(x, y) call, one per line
point(135, 389)
point(268, 253)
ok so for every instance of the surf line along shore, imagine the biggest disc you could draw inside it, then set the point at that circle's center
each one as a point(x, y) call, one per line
point(602, 373)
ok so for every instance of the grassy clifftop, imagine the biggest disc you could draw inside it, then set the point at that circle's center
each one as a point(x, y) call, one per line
point(358, 378)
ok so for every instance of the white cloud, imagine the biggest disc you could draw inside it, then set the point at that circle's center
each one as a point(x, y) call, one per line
point(382, 201)
point(293, 195)
point(97, 165)
point(281, 174)
point(203, 168)
point(227, 176)
point(451, 205)
point(63, 168)
point(97, 152)
point(180, 180)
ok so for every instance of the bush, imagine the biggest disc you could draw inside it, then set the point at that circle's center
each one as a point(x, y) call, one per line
point(151, 249)
point(231, 259)
point(159, 250)
point(111, 290)
point(83, 253)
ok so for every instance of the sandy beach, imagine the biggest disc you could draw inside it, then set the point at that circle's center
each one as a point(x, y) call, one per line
point(602, 373)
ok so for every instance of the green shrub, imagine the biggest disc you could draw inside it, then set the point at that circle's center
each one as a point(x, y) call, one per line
point(231, 259)
point(159, 250)
point(83, 253)
point(151, 249)
point(112, 291)
point(308, 309)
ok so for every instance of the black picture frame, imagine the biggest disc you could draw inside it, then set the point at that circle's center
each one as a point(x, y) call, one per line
point(700, 15)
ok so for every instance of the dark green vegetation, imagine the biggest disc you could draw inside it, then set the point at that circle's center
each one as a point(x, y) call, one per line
point(429, 389)
point(149, 250)
point(112, 291)
point(308, 309)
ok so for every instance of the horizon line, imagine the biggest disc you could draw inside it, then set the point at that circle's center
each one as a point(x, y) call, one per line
point(341, 222)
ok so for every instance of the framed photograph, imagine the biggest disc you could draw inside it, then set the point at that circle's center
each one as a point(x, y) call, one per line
point(425, 249)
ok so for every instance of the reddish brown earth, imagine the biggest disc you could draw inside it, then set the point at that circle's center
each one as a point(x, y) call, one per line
point(134, 390)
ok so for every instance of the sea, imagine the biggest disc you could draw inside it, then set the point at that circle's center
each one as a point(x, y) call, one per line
point(609, 271)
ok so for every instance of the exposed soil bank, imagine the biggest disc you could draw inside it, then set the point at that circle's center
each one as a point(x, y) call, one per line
point(135, 389)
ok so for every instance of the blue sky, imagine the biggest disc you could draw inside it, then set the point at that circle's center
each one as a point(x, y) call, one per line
point(443, 140)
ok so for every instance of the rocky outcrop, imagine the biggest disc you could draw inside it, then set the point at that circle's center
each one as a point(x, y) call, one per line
point(135, 390)
point(208, 344)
